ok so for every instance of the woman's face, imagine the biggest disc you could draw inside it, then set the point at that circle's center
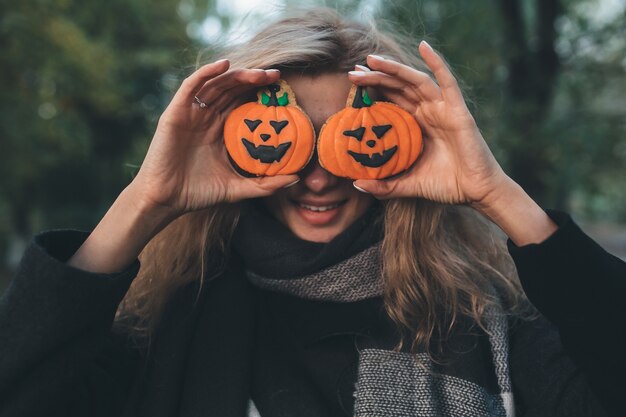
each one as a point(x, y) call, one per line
point(321, 205)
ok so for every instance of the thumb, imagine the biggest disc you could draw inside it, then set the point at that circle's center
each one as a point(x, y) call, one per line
point(264, 186)
point(378, 188)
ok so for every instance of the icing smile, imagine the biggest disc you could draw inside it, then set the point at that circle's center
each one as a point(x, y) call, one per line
point(375, 160)
point(264, 153)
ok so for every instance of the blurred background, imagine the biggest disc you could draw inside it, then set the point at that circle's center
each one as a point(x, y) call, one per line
point(82, 84)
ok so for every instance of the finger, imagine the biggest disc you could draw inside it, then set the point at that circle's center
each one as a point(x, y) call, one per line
point(380, 189)
point(382, 80)
point(399, 98)
point(218, 86)
point(441, 71)
point(421, 82)
point(237, 92)
point(264, 186)
point(376, 79)
point(228, 102)
point(196, 80)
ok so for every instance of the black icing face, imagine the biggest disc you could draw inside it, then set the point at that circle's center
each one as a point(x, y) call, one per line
point(266, 153)
point(374, 160)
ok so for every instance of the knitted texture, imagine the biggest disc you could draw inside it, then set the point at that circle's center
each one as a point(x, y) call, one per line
point(354, 279)
point(401, 384)
point(394, 384)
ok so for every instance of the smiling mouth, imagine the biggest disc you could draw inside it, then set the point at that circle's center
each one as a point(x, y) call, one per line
point(375, 160)
point(264, 153)
point(319, 208)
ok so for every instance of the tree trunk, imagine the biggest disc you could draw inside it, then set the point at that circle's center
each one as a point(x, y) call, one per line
point(533, 71)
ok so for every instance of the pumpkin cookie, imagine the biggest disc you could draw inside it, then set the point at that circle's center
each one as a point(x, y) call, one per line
point(271, 136)
point(369, 140)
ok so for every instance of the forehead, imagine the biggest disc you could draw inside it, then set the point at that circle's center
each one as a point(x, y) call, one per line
point(320, 96)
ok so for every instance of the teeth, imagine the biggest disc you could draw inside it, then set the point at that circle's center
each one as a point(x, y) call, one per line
point(318, 208)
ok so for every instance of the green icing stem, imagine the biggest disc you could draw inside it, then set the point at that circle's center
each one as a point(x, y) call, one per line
point(361, 98)
point(273, 100)
point(284, 100)
point(366, 98)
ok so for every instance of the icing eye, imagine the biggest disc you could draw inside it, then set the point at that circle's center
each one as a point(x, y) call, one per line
point(379, 131)
point(252, 124)
point(278, 126)
point(356, 133)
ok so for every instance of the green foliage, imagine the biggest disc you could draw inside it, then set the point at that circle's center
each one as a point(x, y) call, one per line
point(83, 83)
point(80, 88)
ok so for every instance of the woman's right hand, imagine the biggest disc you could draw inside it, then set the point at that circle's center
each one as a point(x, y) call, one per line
point(186, 167)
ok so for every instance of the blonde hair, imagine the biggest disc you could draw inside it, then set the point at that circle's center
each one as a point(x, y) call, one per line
point(440, 262)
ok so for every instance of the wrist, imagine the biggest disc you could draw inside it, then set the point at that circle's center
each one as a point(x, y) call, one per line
point(503, 191)
point(143, 205)
point(516, 213)
point(118, 239)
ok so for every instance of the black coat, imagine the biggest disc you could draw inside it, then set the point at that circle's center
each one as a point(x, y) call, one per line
point(58, 355)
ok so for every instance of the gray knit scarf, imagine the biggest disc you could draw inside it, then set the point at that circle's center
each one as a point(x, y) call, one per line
point(389, 383)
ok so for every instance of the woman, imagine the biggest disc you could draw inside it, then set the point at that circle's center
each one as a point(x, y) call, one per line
point(310, 296)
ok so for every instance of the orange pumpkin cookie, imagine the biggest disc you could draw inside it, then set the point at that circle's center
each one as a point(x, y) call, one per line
point(271, 136)
point(369, 140)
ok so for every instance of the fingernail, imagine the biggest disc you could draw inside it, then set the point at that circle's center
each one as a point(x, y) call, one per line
point(362, 67)
point(292, 183)
point(220, 61)
point(360, 189)
point(379, 58)
point(357, 73)
point(272, 70)
point(426, 44)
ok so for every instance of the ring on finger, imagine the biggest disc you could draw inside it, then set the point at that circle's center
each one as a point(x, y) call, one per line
point(201, 103)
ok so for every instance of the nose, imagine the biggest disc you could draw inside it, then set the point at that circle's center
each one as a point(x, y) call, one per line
point(316, 178)
point(264, 137)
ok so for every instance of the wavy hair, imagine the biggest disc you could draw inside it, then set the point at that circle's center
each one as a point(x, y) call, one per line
point(440, 263)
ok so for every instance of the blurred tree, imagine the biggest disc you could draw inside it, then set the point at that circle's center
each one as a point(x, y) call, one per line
point(532, 64)
point(81, 87)
point(587, 123)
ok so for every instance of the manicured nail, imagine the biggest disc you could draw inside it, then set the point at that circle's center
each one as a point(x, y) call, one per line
point(357, 73)
point(272, 70)
point(360, 189)
point(362, 67)
point(376, 57)
point(221, 61)
point(292, 183)
point(427, 45)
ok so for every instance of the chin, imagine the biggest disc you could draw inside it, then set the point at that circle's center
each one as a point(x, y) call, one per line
point(318, 235)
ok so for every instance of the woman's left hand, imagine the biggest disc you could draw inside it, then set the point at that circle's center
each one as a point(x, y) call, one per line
point(456, 166)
